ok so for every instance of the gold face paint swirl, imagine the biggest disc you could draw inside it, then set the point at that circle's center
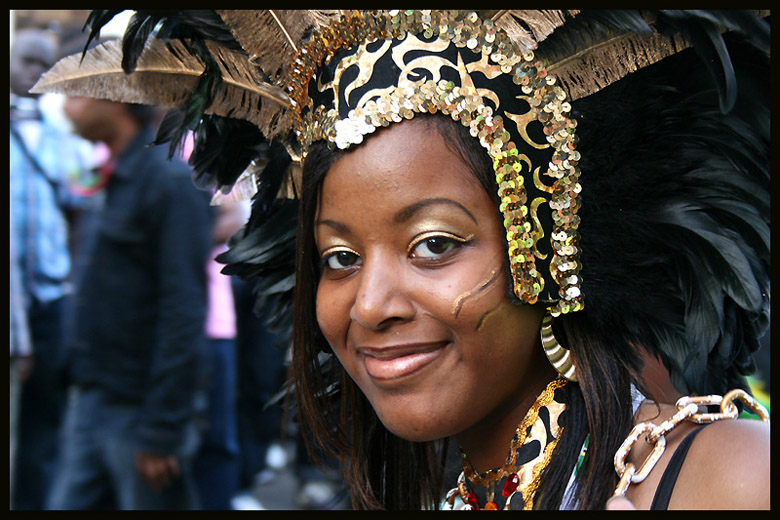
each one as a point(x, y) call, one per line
point(457, 305)
point(485, 316)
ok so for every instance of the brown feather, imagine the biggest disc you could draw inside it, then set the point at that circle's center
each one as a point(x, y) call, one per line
point(271, 36)
point(527, 27)
point(605, 62)
point(592, 65)
point(165, 78)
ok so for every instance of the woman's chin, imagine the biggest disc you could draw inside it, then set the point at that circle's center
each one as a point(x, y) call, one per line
point(416, 429)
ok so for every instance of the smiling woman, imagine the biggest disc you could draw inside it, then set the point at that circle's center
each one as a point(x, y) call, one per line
point(529, 233)
point(418, 306)
point(413, 298)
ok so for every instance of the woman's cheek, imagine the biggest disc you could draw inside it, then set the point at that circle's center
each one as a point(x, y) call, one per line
point(329, 313)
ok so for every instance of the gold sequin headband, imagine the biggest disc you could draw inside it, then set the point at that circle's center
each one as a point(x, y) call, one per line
point(369, 70)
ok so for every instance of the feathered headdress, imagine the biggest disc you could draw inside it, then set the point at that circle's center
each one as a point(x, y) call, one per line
point(656, 175)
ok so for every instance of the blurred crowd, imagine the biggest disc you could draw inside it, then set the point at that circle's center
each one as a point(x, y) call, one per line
point(140, 375)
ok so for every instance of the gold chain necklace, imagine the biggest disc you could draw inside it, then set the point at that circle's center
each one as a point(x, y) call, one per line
point(520, 480)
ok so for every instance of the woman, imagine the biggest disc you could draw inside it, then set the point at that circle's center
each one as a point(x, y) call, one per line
point(535, 266)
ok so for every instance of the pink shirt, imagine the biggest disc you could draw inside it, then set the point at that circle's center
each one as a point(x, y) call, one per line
point(221, 315)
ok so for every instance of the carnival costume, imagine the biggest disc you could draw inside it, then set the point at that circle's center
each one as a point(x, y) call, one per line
point(626, 193)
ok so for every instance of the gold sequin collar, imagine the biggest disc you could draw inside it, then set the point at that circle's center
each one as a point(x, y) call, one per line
point(513, 485)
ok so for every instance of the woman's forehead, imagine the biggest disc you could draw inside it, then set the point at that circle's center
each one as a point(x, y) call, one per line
point(402, 163)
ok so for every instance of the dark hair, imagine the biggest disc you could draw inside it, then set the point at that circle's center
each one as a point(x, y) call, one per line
point(385, 471)
point(143, 114)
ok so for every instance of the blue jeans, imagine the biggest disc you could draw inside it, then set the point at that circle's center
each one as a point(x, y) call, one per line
point(97, 465)
point(217, 463)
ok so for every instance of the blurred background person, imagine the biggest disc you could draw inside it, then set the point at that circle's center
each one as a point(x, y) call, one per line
point(42, 156)
point(217, 464)
point(21, 351)
point(138, 330)
point(265, 454)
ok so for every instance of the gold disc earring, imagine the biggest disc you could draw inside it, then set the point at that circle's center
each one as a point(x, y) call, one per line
point(559, 356)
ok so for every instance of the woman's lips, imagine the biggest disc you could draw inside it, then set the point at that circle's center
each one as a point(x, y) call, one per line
point(394, 362)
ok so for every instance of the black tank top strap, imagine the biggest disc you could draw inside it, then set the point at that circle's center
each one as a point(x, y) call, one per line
point(665, 487)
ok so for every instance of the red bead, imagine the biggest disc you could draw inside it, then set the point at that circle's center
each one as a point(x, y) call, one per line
point(471, 499)
point(512, 481)
point(491, 506)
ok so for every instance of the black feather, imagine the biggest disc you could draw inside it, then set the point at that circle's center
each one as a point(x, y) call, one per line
point(704, 30)
point(223, 149)
point(177, 122)
point(705, 37)
point(675, 216)
point(270, 182)
point(138, 30)
point(96, 20)
point(754, 29)
point(622, 20)
point(265, 253)
point(169, 131)
point(196, 26)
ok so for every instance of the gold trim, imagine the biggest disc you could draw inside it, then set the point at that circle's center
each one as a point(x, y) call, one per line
point(530, 490)
point(489, 478)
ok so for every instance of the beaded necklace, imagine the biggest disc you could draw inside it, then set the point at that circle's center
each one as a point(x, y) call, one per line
point(513, 485)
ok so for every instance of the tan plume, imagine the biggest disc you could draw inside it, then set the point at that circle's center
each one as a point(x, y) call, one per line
point(527, 27)
point(583, 59)
point(602, 57)
point(271, 37)
point(164, 76)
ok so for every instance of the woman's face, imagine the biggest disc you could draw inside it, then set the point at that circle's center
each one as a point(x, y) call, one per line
point(413, 292)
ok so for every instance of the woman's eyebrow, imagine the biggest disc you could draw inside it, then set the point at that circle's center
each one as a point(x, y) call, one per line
point(409, 211)
point(333, 224)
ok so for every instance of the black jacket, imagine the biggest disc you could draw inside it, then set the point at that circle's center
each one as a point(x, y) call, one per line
point(140, 300)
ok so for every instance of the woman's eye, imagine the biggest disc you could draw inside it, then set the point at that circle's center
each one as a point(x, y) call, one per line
point(341, 260)
point(434, 246)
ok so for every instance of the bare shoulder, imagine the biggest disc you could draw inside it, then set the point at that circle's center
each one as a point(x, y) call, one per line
point(727, 467)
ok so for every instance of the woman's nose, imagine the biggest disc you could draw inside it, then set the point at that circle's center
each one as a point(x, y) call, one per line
point(382, 297)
